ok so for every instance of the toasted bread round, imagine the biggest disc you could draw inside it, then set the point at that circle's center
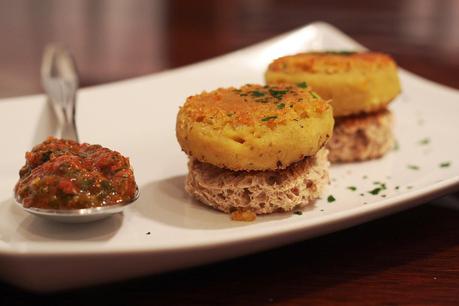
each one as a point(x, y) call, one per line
point(259, 192)
point(361, 137)
point(355, 82)
point(255, 127)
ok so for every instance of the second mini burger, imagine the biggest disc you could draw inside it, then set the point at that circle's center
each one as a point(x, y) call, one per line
point(360, 86)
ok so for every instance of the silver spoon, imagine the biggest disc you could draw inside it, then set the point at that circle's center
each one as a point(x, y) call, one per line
point(60, 81)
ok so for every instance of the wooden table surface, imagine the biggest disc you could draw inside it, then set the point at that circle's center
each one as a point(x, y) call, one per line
point(409, 258)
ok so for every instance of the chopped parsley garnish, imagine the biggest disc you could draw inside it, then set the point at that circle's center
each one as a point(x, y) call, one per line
point(148, 233)
point(344, 52)
point(298, 212)
point(280, 106)
point(257, 93)
point(396, 146)
point(413, 167)
point(278, 94)
point(382, 185)
point(352, 188)
point(268, 118)
point(262, 100)
point(302, 85)
point(397, 187)
point(424, 141)
point(331, 199)
point(445, 164)
point(314, 95)
point(364, 177)
point(375, 191)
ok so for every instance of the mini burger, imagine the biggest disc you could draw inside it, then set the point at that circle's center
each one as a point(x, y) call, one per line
point(256, 149)
point(359, 86)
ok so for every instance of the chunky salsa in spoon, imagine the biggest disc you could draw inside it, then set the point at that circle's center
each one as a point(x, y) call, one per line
point(63, 174)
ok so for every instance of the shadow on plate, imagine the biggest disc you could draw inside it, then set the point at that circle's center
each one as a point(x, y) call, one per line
point(167, 202)
point(33, 228)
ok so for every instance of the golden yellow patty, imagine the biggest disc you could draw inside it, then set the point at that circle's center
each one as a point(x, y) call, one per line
point(355, 82)
point(255, 127)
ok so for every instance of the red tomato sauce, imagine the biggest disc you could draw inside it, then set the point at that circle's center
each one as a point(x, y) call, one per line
point(63, 174)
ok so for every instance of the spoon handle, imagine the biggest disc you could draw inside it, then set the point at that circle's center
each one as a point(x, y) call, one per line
point(60, 81)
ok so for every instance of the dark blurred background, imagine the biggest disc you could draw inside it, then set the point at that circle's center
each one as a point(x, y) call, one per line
point(119, 39)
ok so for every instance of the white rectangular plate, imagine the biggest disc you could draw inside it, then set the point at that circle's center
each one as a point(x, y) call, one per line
point(166, 229)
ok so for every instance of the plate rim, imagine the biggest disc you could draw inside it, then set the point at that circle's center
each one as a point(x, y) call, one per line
point(384, 208)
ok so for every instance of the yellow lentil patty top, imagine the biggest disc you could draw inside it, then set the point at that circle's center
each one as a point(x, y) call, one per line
point(254, 127)
point(354, 82)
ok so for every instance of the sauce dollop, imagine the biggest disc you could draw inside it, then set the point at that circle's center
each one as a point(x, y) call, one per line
point(63, 174)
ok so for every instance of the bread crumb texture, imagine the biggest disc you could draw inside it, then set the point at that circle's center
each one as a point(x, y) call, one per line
point(243, 215)
point(361, 137)
point(260, 192)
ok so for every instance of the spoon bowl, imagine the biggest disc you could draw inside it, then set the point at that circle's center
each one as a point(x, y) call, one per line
point(82, 215)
